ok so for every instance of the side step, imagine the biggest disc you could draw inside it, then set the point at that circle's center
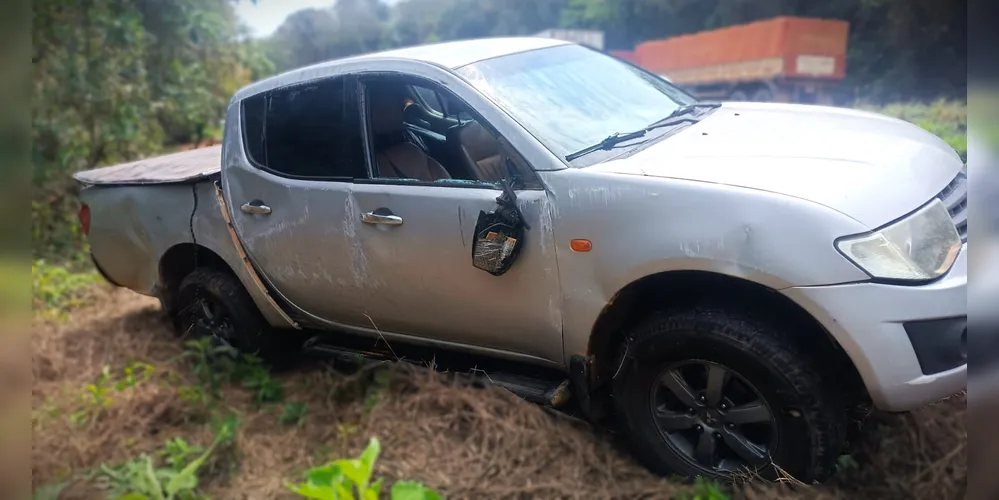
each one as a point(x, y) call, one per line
point(550, 391)
point(545, 392)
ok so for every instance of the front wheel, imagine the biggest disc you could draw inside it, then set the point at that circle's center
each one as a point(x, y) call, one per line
point(709, 392)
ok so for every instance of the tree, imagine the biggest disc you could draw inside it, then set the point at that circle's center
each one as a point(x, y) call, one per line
point(117, 79)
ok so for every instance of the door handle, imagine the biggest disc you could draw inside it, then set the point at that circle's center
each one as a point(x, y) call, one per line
point(386, 219)
point(256, 207)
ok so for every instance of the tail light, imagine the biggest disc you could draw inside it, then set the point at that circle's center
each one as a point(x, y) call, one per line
point(85, 219)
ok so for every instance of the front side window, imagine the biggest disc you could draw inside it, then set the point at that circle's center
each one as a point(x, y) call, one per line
point(411, 143)
point(429, 97)
point(570, 97)
point(306, 130)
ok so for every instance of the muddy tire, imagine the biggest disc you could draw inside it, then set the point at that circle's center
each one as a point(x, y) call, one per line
point(214, 303)
point(709, 392)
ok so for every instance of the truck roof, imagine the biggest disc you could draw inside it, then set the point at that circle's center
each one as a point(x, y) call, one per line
point(195, 164)
point(451, 55)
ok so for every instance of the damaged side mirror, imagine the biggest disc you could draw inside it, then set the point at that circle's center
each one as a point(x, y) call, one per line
point(499, 235)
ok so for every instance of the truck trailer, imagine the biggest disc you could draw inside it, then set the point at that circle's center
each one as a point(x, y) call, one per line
point(784, 59)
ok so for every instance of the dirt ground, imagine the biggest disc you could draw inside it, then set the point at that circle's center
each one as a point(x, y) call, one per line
point(465, 442)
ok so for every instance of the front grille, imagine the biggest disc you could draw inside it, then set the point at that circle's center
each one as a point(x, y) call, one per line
point(955, 198)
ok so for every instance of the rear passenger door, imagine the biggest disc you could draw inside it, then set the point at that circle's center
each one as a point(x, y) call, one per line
point(288, 193)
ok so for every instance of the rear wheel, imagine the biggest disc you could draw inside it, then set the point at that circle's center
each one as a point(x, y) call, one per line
point(709, 392)
point(212, 303)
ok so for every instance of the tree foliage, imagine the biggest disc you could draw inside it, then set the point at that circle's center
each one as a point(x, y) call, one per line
point(117, 79)
point(351, 27)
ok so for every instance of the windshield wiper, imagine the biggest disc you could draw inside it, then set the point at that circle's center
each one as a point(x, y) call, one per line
point(683, 113)
point(678, 115)
point(609, 142)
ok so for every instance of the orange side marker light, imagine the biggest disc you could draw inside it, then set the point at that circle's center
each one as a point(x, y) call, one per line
point(580, 245)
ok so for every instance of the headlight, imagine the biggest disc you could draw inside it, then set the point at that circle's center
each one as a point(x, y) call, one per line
point(920, 247)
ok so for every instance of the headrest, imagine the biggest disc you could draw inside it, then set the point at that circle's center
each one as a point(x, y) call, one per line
point(477, 141)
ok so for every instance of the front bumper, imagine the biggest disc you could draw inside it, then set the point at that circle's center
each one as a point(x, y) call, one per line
point(882, 327)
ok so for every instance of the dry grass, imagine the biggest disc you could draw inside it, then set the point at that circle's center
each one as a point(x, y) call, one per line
point(465, 442)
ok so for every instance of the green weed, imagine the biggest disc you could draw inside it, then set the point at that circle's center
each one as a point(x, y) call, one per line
point(98, 395)
point(226, 454)
point(294, 414)
point(177, 452)
point(350, 479)
point(175, 478)
point(254, 376)
point(705, 489)
point(214, 365)
point(56, 290)
point(211, 364)
point(48, 491)
point(375, 392)
point(194, 394)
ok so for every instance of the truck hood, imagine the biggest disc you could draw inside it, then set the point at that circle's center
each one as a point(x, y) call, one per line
point(870, 167)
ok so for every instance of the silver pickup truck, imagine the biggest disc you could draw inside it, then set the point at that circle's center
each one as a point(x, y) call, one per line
point(723, 283)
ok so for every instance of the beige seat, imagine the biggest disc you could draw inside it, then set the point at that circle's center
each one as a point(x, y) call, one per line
point(480, 151)
point(394, 156)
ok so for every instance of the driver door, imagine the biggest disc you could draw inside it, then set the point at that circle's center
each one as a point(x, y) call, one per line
point(416, 239)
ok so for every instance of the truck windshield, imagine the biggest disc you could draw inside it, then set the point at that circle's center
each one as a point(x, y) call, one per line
point(570, 97)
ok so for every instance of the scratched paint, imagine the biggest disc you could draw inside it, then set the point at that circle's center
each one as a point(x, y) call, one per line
point(734, 249)
point(358, 260)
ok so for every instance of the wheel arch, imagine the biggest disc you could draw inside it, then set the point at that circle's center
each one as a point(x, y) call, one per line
point(179, 261)
point(640, 298)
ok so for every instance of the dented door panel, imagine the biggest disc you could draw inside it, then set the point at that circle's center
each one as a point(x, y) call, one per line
point(302, 248)
point(421, 281)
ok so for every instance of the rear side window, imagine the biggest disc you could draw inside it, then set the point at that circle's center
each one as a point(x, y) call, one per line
point(308, 130)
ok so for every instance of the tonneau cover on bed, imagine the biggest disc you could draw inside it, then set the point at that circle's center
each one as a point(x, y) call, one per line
point(176, 167)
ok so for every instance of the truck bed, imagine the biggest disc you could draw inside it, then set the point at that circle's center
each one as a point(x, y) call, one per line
point(184, 166)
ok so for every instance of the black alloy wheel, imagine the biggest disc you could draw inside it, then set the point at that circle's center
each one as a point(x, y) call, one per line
point(210, 318)
point(713, 391)
point(713, 416)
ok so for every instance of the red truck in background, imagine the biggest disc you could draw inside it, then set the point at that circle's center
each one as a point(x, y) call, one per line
point(784, 59)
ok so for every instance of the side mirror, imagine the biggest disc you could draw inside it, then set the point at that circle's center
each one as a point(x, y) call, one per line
point(496, 244)
point(499, 235)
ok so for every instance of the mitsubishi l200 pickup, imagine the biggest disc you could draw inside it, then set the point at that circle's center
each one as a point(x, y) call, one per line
point(721, 282)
